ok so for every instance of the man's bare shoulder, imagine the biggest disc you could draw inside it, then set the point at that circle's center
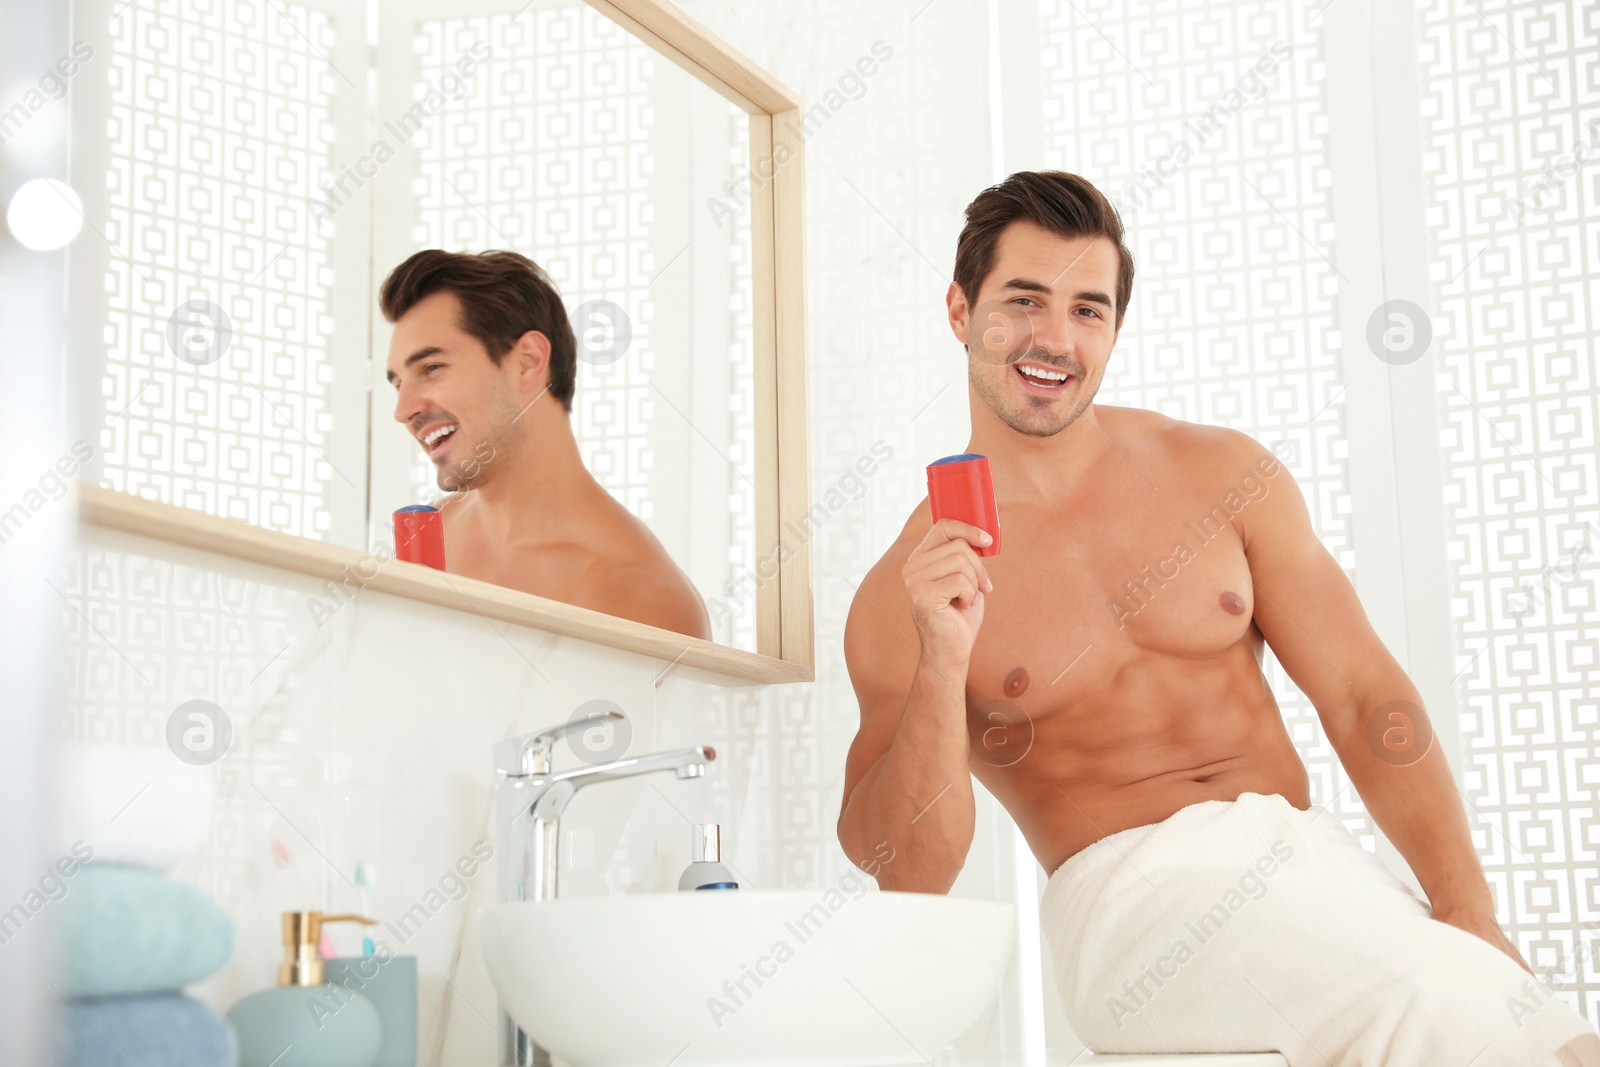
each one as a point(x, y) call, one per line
point(879, 621)
point(631, 573)
point(652, 591)
point(884, 575)
point(620, 543)
point(1204, 455)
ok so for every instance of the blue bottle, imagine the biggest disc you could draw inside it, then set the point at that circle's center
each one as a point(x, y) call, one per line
point(304, 1021)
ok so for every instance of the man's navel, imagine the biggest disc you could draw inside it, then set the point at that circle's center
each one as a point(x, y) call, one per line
point(1016, 682)
point(1231, 602)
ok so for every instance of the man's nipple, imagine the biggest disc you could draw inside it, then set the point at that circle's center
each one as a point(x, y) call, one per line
point(1016, 682)
point(1231, 602)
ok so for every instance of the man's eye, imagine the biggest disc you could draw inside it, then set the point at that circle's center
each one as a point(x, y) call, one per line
point(1029, 299)
point(1091, 311)
point(431, 367)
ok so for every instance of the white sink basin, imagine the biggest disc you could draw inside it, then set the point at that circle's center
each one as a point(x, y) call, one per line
point(654, 979)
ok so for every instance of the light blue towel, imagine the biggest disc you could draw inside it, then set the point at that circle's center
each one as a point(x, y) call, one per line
point(126, 930)
point(169, 1030)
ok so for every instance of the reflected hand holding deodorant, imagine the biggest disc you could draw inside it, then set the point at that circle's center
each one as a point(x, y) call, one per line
point(419, 535)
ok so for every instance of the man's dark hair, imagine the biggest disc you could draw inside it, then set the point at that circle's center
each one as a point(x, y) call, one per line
point(1065, 204)
point(503, 295)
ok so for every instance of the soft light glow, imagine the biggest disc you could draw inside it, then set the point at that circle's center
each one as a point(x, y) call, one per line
point(45, 214)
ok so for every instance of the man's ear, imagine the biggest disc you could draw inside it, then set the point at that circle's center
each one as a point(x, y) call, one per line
point(532, 356)
point(955, 302)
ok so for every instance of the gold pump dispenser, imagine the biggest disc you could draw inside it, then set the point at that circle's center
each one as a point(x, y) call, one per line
point(302, 933)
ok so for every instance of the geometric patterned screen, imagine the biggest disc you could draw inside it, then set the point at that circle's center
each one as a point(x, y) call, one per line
point(214, 393)
point(1217, 159)
point(1511, 121)
point(547, 152)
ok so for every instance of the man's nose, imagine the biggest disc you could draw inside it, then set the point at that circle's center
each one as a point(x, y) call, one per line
point(1052, 333)
point(407, 404)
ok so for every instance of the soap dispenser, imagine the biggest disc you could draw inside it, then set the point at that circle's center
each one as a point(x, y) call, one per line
point(304, 1021)
point(706, 871)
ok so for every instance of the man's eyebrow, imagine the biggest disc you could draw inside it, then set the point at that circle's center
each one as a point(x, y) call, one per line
point(421, 353)
point(1028, 285)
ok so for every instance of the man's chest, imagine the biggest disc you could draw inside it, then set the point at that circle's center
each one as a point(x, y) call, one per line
point(1150, 572)
point(555, 572)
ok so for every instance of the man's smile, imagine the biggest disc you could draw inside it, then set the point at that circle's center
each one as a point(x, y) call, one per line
point(434, 435)
point(1041, 377)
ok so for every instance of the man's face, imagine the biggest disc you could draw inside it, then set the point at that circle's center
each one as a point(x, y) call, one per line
point(459, 405)
point(1046, 310)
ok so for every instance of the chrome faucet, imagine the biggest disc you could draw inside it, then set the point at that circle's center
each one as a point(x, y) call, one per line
point(529, 797)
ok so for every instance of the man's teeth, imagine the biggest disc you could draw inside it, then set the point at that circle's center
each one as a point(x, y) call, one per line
point(436, 434)
point(1044, 375)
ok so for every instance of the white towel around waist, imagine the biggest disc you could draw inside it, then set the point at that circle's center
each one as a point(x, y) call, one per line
point(1252, 926)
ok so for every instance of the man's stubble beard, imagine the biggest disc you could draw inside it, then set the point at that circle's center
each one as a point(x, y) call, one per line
point(992, 394)
point(487, 455)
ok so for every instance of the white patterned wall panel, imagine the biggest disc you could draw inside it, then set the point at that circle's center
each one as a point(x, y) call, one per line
point(1511, 111)
point(221, 120)
point(144, 635)
point(548, 153)
point(1219, 168)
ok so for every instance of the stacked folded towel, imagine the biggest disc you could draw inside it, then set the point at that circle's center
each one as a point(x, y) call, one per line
point(132, 938)
point(167, 1030)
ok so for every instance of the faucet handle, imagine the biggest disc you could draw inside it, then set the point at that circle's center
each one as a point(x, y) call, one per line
point(531, 753)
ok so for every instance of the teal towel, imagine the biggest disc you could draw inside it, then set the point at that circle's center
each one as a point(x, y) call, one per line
point(126, 930)
point(170, 1030)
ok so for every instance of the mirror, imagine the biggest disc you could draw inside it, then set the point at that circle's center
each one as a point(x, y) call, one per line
point(263, 176)
point(564, 138)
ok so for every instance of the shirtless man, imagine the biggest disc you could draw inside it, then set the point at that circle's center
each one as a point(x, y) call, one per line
point(483, 361)
point(1092, 675)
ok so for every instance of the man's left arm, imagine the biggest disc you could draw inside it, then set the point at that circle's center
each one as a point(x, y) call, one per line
point(1310, 615)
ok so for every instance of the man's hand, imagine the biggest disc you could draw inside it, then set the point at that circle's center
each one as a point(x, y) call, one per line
point(1482, 924)
point(945, 581)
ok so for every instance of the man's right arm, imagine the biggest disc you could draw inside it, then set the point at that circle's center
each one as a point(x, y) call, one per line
point(907, 782)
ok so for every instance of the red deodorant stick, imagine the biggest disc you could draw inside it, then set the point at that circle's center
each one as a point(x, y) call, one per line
point(961, 487)
point(419, 535)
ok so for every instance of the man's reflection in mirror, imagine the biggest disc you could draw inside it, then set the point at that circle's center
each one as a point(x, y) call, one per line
point(484, 363)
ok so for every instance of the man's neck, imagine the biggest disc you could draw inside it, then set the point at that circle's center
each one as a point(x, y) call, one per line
point(543, 493)
point(1048, 469)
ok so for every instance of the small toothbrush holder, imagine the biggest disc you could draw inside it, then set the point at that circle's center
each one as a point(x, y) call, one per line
point(390, 983)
